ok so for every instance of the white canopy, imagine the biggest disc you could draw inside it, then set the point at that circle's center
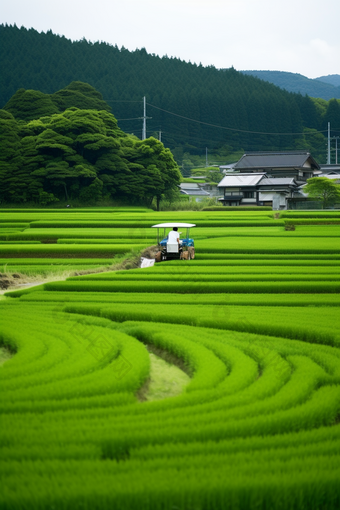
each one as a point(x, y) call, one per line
point(172, 225)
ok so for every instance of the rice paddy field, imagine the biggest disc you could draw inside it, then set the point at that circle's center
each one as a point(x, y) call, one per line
point(209, 384)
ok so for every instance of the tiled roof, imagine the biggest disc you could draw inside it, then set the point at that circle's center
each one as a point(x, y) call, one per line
point(195, 191)
point(277, 181)
point(188, 185)
point(239, 180)
point(291, 159)
point(330, 176)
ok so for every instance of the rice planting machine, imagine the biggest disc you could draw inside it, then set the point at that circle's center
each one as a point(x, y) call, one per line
point(170, 249)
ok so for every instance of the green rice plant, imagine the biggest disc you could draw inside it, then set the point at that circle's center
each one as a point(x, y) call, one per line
point(262, 245)
point(96, 354)
point(262, 405)
point(101, 241)
point(263, 256)
point(313, 221)
point(303, 324)
point(236, 268)
point(310, 214)
point(6, 225)
point(302, 443)
point(19, 242)
point(85, 233)
point(54, 250)
point(46, 271)
point(145, 223)
point(263, 486)
point(203, 278)
point(233, 260)
point(163, 271)
point(50, 261)
point(285, 399)
point(272, 231)
point(257, 287)
point(218, 301)
point(238, 209)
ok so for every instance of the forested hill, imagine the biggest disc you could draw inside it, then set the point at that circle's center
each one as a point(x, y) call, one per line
point(325, 87)
point(253, 113)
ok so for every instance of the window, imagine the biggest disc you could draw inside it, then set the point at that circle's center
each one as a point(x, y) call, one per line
point(249, 194)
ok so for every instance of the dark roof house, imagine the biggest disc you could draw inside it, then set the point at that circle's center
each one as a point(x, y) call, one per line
point(297, 164)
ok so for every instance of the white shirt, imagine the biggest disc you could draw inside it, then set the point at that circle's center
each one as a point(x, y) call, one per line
point(173, 237)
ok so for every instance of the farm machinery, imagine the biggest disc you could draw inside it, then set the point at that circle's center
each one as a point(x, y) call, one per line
point(170, 249)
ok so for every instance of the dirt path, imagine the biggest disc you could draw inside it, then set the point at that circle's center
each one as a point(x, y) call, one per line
point(17, 281)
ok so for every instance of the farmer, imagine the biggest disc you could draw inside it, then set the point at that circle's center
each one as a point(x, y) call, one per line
point(173, 236)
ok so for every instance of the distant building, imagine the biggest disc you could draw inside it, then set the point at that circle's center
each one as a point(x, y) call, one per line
point(240, 189)
point(227, 168)
point(331, 172)
point(194, 191)
point(277, 192)
point(257, 189)
point(298, 165)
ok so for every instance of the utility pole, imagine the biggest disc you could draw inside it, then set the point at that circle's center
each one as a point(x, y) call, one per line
point(329, 145)
point(160, 136)
point(144, 119)
point(336, 149)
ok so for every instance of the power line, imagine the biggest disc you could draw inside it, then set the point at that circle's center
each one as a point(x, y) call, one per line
point(133, 118)
point(232, 129)
point(206, 123)
point(120, 101)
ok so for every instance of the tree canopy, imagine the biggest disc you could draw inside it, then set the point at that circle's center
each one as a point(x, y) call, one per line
point(323, 189)
point(78, 153)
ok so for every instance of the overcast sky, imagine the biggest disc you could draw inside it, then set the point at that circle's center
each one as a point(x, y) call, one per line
point(297, 36)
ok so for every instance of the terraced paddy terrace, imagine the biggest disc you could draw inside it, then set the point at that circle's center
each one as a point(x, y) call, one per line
point(205, 384)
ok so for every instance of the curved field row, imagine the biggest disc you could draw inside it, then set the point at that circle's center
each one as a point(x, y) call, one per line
point(253, 401)
point(253, 320)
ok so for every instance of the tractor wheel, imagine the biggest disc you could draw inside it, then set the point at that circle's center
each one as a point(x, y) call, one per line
point(158, 256)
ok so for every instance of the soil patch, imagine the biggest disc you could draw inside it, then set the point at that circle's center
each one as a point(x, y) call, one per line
point(166, 380)
point(5, 354)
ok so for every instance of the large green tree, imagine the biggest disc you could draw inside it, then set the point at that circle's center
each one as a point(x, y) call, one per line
point(81, 154)
point(323, 190)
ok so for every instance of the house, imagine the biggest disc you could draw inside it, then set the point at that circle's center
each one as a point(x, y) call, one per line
point(212, 189)
point(240, 189)
point(298, 165)
point(227, 168)
point(194, 191)
point(257, 189)
point(330, 172)
point(277, 192)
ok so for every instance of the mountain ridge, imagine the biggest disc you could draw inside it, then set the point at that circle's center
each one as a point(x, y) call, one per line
point(190, 107)
point(324, 87)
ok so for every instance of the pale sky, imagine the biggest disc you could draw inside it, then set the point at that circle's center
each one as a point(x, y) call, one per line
point(297, 36)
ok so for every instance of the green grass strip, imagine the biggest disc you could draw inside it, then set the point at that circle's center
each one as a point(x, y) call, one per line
point(219, 300)
point(190, 288)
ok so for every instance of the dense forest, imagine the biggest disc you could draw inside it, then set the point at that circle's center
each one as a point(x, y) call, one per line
point(67, 146)
point(325, 87)
point(191, 107)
